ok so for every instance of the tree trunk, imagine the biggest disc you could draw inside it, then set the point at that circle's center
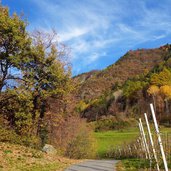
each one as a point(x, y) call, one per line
point(167, 106)
point(154, 102)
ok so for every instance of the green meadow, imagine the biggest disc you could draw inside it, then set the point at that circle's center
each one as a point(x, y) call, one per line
point(108, 139)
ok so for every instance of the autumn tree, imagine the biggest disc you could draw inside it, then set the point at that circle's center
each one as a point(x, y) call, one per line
point(42, 73)
point(166, 92)
point(153, 90)
point(131, 87)
point(46, 74)
point(161, 78)
point(14, 46)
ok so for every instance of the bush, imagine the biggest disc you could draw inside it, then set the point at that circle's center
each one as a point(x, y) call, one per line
point(7, 135)
point(111, 123)
point(10, 136)
point(82, 146)
point(73, 138)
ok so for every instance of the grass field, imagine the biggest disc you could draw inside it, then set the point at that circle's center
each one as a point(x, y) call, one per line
point(117, 138)
point(108, 139)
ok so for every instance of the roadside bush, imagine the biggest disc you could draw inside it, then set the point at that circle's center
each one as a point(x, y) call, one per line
point(73, 138)
point(82, 146)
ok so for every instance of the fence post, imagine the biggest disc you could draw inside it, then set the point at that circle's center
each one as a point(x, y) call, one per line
point(142, 140)
point(151, 141)
point(159, 137)
point(145, 141)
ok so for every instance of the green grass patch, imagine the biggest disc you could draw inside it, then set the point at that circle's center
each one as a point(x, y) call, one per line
point(138, 164)
point(108, 139)
point(113, 139)
point(133, 165)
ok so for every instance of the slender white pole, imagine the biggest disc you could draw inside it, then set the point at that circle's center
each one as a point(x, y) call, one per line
point(159, 138)
point(143, 143)
point(145, 140)
point(151, 140)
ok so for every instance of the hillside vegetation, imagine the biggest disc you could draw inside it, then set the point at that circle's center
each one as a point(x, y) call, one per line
point(125, 89)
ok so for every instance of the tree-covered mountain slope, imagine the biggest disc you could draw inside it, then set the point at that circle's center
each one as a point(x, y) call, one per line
point(111, 91)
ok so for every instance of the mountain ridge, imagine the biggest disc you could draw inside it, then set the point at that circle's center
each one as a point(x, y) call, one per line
point(129, 65)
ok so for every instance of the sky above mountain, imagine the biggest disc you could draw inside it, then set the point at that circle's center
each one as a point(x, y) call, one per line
point(98, 32)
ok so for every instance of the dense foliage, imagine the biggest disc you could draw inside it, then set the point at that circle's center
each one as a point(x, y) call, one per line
point(156, 84)
point(35, 86)
point(32, 70)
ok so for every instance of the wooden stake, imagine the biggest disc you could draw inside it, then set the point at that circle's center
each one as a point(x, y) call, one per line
point(151, 141)
point(159, 138)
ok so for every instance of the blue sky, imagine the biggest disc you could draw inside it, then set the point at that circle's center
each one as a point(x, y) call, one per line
point(99, 31)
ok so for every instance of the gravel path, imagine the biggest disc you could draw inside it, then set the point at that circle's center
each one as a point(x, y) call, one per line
point(94, 165)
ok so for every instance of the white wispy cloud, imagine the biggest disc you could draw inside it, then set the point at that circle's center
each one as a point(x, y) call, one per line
point(73, 33)
point(92, 27)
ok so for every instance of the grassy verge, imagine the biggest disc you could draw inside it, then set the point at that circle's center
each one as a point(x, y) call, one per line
point(20, 158)
point(108, 139)
point(142, 164)
point(138, 164)
point(133, 165)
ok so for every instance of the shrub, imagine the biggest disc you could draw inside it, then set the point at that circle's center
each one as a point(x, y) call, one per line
point(72, 137)
point(9, 135)
point(110, 123)
point(82, 146)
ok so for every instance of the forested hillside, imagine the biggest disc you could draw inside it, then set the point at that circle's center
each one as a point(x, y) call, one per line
point(126, 88)
point(128, 66)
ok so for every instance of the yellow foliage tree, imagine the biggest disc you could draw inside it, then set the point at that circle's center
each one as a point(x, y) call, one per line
point(153, 90)
point(166, 92)
point(162, 78)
